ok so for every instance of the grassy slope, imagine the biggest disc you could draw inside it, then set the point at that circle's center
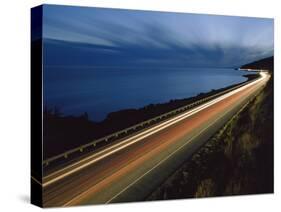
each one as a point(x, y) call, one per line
point(237, 160)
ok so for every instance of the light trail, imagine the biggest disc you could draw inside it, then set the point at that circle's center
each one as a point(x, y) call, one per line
point(136, 138)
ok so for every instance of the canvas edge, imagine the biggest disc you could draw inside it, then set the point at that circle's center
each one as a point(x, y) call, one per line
point(36, 105)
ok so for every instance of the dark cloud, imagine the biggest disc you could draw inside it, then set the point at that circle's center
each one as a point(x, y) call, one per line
point(120, 38)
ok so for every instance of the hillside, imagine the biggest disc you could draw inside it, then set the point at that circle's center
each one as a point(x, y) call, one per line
point(237, 160)
point(266, 63)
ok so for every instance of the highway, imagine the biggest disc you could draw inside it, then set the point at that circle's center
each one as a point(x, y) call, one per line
point(132, 168)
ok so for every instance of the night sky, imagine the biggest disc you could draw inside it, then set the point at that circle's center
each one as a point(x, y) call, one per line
point(84, 36)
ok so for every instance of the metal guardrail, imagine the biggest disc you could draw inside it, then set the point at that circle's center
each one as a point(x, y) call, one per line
point(141, 125)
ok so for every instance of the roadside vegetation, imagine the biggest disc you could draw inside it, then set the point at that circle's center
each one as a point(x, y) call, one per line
point(237, 160)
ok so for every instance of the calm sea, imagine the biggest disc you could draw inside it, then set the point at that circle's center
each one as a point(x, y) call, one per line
point(99, 91)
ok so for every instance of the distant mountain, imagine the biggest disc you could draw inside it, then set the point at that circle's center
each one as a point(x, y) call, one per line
point(266, 63)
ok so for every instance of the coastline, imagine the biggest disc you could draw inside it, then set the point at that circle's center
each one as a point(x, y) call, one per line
point(62, 133)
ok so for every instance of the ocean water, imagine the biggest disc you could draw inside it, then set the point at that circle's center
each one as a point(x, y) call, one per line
point(99, 91)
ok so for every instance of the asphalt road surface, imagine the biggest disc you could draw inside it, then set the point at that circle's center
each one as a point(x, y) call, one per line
point(132, 168)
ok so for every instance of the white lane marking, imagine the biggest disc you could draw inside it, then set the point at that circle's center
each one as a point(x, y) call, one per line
point(138, 137)
point(166, 158)
point(157, 164)
point(145, 133)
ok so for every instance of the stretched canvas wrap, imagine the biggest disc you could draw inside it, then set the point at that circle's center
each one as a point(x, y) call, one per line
point(132, 105)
